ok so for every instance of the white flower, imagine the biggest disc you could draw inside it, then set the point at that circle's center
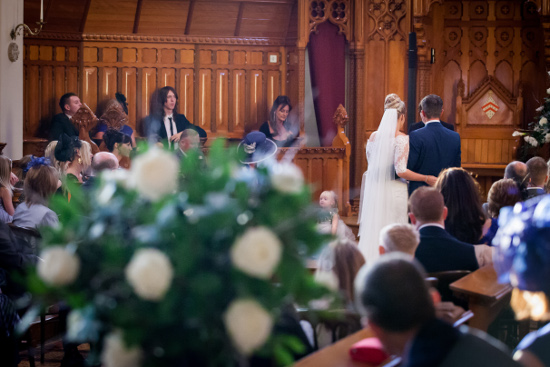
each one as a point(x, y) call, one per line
point(117, 354)
point(531, 141)
point(547, 138)
point(548, 91)
point(155, 173)
point(517, 133)
point(327, 279)
point(543, 121)
point(59, 266)
point(540, 109)
point(257, 252)
point(287, 178)
point(248, 324)
point(149, 273)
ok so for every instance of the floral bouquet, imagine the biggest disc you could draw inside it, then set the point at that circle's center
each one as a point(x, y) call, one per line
point(176, 265)
point(538, 132)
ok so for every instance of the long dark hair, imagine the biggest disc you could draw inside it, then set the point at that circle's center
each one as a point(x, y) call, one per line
point(281, 101)
point(112, 136)
point(162, 96)
point(462, 196)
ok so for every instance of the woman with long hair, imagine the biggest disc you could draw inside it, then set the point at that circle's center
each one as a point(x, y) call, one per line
point(6, 191)
point(462, 196)
point(120, 145)
point(279, 128)
point(74, 156)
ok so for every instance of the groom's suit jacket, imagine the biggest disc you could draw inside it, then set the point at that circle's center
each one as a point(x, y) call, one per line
point(432, 149)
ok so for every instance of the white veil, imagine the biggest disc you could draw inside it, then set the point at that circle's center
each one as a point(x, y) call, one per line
point(376, 196)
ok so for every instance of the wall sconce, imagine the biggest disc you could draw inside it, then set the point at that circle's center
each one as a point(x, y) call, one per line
point(13, 49)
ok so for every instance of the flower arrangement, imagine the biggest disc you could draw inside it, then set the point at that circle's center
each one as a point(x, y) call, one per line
point(538, 132)
point(174, 265)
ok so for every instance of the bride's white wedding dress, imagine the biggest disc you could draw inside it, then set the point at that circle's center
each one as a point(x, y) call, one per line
point(383, 194)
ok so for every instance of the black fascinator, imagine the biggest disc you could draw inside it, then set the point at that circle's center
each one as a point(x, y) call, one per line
point(65, 148)
point(121, 98)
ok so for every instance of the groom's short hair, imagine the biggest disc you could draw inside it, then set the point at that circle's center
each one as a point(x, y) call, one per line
point(426, 203)
point(432, 105)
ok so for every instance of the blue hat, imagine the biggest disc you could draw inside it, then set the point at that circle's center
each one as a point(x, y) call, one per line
point(255, 147)
point(523, 245)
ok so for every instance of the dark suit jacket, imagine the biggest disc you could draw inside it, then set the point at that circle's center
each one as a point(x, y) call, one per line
point(61, 124)
point(439, 251)
point(535, 191)
point(432, 149)
point(155, 126)
point(420, 125)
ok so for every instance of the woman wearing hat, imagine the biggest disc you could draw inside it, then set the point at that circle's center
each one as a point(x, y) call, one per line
point(75, 157)
point(255, 148)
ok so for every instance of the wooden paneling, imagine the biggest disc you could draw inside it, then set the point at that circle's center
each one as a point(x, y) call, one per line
point(205, 98)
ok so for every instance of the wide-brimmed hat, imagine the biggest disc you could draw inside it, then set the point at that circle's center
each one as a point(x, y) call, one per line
point(255, 148)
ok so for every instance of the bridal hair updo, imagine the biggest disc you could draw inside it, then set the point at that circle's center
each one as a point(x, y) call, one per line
point(393, 101)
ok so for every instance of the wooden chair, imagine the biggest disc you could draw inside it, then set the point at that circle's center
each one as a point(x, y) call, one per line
point(340, 323)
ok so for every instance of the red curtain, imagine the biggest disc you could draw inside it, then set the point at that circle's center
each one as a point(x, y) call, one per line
point(327, 62)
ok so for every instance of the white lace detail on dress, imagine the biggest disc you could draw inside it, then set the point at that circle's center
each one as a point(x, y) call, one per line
point(401, 153)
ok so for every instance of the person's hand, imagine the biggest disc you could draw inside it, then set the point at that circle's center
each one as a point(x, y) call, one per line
point(431, 180)
point(176, 137)
point(13, 179)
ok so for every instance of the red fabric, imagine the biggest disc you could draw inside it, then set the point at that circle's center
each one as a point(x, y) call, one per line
point(368, 350)
point(327, 62)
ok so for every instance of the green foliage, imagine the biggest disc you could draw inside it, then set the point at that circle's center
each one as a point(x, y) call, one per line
point(195, 227)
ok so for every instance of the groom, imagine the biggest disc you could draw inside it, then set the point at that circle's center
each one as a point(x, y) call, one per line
point(433, 147)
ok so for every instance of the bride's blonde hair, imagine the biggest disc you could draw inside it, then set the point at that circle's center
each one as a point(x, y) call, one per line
point(393, 101)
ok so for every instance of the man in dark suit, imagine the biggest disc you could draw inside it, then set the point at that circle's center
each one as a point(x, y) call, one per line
point(433, 147)
point(421, 124)
point(538, 174)
point(166, 123)
point(61, 123)
point(438, 250)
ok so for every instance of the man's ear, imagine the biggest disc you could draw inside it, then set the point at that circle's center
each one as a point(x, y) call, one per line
point(412, 218)
point(441, 114)
point(381, 250)
point(445, 212)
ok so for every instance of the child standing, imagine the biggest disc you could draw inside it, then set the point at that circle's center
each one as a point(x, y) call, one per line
point(330, 221)
point(6, 193)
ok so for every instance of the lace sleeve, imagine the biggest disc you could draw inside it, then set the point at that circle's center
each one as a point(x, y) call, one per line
point(370, 144)
point(401, 154)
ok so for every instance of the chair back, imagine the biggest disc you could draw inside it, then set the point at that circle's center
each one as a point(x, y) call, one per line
point(30, 235)
point(335, 324)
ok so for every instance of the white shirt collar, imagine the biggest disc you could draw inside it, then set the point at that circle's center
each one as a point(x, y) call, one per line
point(431, 225)
point(434, 120)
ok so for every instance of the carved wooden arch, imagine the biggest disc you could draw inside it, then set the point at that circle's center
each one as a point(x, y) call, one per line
point(423, 7)
point(335, 11)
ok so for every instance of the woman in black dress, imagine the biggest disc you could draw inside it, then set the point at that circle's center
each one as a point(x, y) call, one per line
point(278, 128)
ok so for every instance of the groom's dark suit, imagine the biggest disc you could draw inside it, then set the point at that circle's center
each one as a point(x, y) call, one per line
point(432, 149)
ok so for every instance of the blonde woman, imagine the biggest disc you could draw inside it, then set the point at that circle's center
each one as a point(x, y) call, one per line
point(6, 191)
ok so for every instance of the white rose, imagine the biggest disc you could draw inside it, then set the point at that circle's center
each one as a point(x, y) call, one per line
point(287, 178)
point(532, 141)
point(547, 138)
point(327, 279)
point(59, 266)
point(116, 354)
point(248, 324)
point(540, 109)
point(149, 273)
point(543, 121)
point(517, 133)
point(155, 173)
point(257, 252)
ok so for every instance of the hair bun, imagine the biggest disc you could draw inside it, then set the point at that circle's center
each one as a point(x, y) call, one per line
point(392, 101)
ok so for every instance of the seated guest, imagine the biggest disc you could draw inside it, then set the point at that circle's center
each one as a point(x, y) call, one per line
point(115, 117)
point(438, 250)
point(504, 192)
point(278, 128)
point(41, 182)
point(6, 191)
point(399, 238)
point(519, 172)
point(465, 218)
point(255, 148)
point(49, 153)
point(190, 140)
point(538, 174)
point(120, 145)
point(343, 259)
point(394, 297)
point(165, 123)
point(421, 124)
point(522, 260)
point(102, 161)
point(61, 123)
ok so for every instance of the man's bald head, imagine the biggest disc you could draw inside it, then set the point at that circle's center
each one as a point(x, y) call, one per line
point(517, 171)
point(104, 161)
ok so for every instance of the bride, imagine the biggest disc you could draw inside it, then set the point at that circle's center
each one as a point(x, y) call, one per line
point(383, 194)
